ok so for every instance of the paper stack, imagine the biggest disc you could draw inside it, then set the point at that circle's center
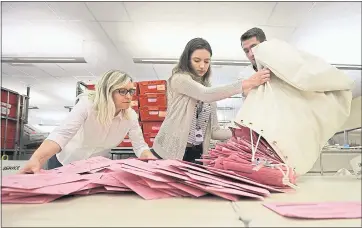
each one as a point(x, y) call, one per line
point(153, 179)
point(233, 170)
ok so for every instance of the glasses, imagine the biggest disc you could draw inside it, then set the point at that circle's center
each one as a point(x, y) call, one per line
point(124, 92)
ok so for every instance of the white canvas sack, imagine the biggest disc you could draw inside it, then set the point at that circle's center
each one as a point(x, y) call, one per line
point(306, 102)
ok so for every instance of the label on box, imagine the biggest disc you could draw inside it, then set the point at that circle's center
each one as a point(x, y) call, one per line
point(152, 139)
point(153, 113)
point(126, 140)
point(152, 87)
point(5, 111)
point(5, 104)
point(161, 87)
point(162, 113)
point(155, 128)
point(152, 99)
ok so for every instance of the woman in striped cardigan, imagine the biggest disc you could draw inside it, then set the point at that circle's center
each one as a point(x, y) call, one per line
point(191, 119)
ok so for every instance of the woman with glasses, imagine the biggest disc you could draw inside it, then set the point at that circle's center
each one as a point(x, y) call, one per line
point(98, 122)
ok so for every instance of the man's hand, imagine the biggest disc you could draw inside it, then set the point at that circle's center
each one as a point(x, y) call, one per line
point(147, 155)
point(255, 80)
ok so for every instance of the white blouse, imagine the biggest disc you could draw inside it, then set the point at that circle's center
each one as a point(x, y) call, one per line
point(81, 136)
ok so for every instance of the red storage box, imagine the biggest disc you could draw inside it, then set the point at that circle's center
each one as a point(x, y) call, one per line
point(91, 87)
point(137, 88)
point(9, 144)
point(10, 129)
point(153, 100)
point(8, 110)
point(157, 86)
point(126, 142)
point(149, 140)
point(9, 103)
point(151, 128)
point(152, 113)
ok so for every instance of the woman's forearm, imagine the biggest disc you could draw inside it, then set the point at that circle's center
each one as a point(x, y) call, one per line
point(46, 150)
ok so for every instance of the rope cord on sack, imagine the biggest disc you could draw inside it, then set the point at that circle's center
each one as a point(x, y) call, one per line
point(286, 179)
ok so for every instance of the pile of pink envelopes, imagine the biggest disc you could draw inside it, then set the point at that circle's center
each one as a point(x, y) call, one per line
point(152, 179)
point(229, 171)
point(263, 166)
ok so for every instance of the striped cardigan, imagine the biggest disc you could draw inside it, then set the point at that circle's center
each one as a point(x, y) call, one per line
point(182, 94)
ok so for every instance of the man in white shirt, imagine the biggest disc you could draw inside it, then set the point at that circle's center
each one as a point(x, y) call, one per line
point(248, 40)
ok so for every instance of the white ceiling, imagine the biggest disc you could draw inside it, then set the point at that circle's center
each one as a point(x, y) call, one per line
point(109, 34)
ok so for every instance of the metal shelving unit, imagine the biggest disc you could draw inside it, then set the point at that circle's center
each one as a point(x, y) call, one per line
point(21, 119)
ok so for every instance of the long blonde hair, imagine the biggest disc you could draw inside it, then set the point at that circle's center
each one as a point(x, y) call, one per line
point(102, 96)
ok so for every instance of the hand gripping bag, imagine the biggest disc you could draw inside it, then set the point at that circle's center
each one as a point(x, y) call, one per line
point(305, 103)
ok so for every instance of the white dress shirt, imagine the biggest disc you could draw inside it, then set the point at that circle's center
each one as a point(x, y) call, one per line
point(81, 136)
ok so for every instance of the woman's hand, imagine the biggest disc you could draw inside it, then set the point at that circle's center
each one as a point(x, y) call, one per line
point(255, 80)
point(32, 166)
point(147, 155)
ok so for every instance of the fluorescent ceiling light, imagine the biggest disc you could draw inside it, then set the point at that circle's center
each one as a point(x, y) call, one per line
point(22, 60)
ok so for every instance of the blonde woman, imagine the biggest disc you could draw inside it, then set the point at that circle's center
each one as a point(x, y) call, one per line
point(98, 122)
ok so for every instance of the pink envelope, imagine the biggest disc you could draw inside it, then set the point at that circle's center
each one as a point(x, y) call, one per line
point(217, 193)
point(234, 192)
point(156, 184)
point(148, 166)
point(243, 179)
point(169, 192)
point(152, 176)
point(225, 188)
point(169, 166)
point(188, 189)
point(234, 184)
point(18, 195)
point(180, 192)
point(108, 180)
point(32, 181)
point(318, 210)
point(145, 192)
point(171, 174)
point(90, 186)
point(60, 189)
point(186, 167)
point(32, 199)
point(117, 189)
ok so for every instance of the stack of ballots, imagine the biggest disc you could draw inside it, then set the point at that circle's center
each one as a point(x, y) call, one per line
point(150, 179)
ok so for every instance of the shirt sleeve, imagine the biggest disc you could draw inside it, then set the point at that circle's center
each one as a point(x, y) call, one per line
point(246, 73)
point(70, 126)
point(135, 134)
point(184, 84)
